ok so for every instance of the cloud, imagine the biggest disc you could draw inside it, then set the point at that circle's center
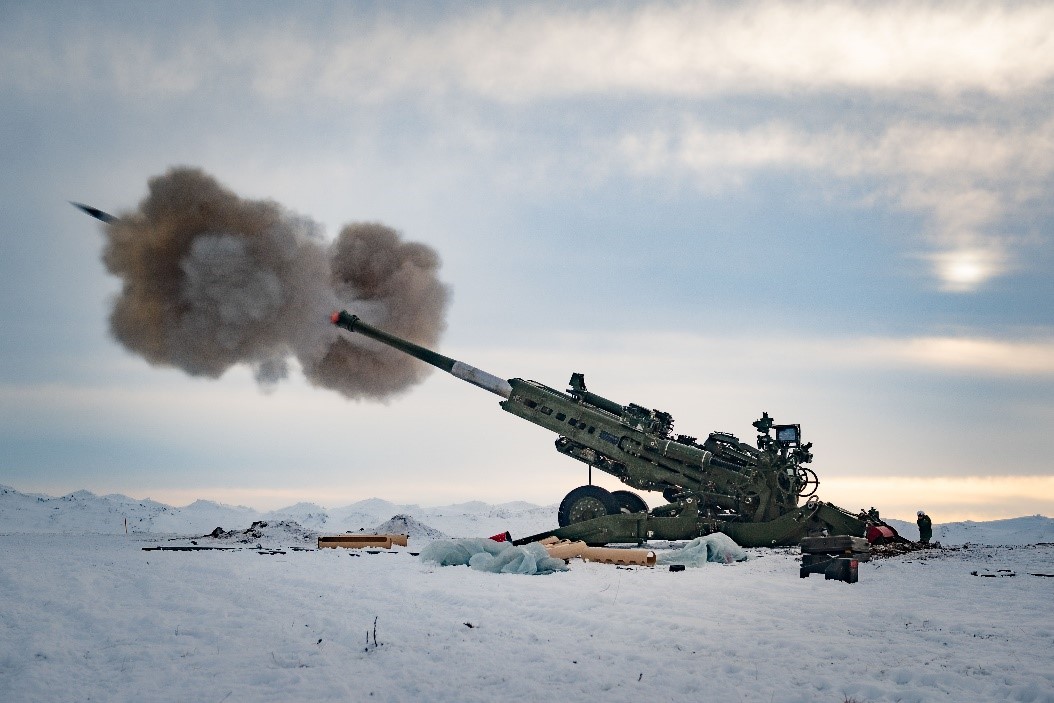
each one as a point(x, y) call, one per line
point(141, 429)
point(960, 354)
point(670, 353)
point(974, 356)
point(936, 102)
point(965, 180)
point(553, 52)
point(945, 498)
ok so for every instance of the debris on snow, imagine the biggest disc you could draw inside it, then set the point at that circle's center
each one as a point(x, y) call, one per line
point(281, 532)
point(892, 549)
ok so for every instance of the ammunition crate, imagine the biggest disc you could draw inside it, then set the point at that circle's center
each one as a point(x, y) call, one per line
point(837, 558)
point(838, 544)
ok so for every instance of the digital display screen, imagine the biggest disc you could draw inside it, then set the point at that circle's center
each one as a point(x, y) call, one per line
point(787, 434)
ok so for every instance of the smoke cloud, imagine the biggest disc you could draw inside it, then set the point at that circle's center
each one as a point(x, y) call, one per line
point(212, 280)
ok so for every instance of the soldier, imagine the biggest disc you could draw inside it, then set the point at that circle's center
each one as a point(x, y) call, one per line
point(925, 527)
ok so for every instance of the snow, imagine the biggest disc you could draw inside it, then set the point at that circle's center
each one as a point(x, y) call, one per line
point(86, 614)
point(1031, 529)
point(83, 511)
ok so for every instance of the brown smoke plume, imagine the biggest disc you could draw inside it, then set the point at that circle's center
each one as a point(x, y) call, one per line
point(212, 280)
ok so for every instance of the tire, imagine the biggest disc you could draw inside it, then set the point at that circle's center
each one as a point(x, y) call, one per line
point(586, 503)
point(629, 502)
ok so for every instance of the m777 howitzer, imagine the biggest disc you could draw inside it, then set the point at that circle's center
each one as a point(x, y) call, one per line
point(753, 494)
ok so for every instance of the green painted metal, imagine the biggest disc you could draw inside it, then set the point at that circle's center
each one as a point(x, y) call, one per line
point(752, 493)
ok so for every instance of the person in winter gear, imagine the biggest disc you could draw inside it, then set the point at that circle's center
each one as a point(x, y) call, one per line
point(925, 527)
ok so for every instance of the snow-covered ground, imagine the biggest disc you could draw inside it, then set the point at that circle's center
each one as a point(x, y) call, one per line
point(86, 616)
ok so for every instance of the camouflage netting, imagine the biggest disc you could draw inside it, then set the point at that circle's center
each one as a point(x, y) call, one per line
point(717, 548)
point(496, 557)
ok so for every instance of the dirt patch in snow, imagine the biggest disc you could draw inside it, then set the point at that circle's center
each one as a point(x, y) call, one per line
point(408, 525)
point(280, 532)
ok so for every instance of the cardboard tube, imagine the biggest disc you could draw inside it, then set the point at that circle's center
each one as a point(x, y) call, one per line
point(564, 549)
point(607, 555)
point(355, 541)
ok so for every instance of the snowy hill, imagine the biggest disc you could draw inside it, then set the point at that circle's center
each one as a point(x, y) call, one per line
point(1033, 529)
point(77, 512)
point(85, 512)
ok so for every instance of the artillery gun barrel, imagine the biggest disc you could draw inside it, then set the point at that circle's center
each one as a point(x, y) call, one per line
point(458, 369)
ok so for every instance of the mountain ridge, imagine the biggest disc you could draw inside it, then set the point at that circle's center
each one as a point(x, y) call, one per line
point(85, 512)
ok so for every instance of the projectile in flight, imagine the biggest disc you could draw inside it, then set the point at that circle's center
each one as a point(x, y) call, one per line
point(95, 212)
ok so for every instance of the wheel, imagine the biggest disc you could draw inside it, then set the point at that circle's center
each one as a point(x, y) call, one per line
point(629, 502)
point(808, 481)
point(586, 503)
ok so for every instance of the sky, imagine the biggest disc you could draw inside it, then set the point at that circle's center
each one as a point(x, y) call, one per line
point(837, 213)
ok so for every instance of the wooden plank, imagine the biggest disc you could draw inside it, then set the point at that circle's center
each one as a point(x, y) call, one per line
point(357, 541)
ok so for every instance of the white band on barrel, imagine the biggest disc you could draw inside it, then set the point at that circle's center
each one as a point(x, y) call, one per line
point(484, 380)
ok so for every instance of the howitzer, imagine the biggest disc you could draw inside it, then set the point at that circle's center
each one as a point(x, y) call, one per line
point(752, 493)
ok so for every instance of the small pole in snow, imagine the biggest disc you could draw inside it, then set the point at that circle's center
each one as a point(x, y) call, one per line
point(126, 525)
